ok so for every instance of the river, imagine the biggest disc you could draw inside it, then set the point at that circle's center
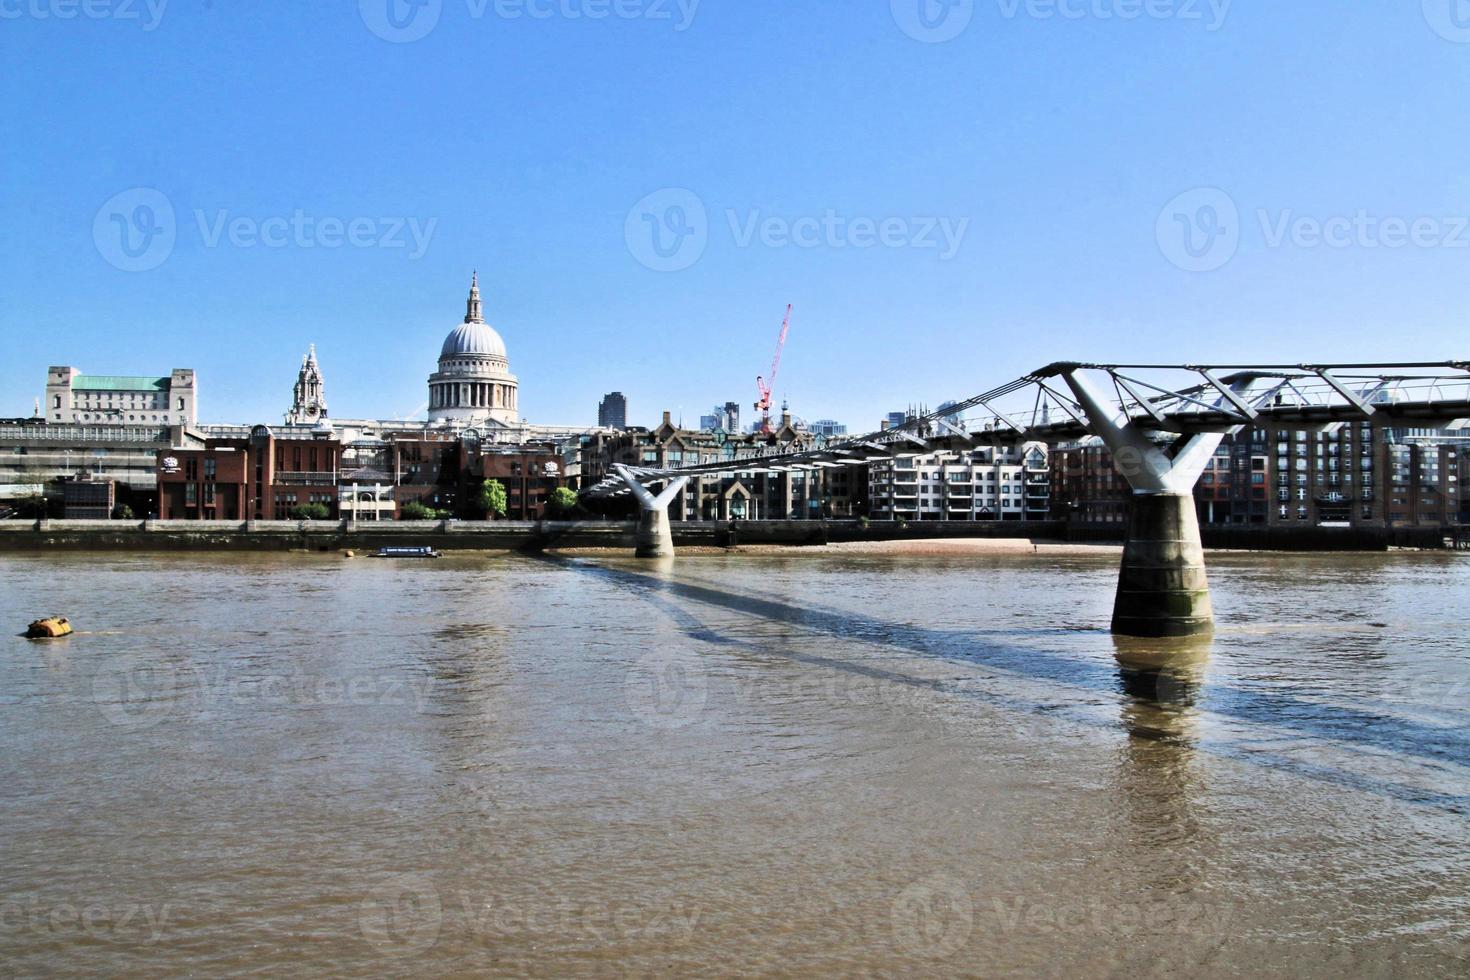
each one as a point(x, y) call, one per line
point(589, 766)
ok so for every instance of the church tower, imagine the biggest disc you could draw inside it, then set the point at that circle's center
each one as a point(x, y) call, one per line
point(309, 404)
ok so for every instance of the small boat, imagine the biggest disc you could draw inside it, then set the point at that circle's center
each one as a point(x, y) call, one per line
point(407, 553)
point(49, 628)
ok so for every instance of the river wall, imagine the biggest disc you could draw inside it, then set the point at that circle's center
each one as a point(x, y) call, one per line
point(545, 535)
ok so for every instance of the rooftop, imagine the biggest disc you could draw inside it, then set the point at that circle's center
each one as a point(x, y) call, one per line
point(102, 382)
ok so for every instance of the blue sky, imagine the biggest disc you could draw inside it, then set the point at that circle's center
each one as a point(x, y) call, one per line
point(1110, 180)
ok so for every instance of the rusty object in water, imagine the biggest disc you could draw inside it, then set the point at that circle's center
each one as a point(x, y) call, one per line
point(49, 628)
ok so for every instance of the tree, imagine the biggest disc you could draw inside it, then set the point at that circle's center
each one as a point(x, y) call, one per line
point(122, 512)
point(492, 499)
point(415, 511)
point(310, 512)
point(562, 502)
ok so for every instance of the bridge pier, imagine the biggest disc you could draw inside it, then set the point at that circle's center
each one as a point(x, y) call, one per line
point(1162, 586)
point(655, 538)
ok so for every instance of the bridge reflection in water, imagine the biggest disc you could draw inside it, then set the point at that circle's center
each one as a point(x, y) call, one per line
point(1162, 680)
point(1159, 686)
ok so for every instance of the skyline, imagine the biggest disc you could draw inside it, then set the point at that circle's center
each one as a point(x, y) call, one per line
point(945, 214)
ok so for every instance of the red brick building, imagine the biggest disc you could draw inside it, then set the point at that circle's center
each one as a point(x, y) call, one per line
point(263, 476)
point(529, 474)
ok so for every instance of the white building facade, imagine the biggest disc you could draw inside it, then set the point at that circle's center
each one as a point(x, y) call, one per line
point(983, 484)
point(112, 400)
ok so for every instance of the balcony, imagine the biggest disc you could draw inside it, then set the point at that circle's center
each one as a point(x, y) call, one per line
point(306, 479)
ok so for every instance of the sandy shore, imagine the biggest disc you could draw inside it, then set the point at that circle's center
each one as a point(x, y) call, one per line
point(933, 547)
point(948, 546)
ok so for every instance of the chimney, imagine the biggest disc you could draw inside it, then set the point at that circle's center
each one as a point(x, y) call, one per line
point(667, 416)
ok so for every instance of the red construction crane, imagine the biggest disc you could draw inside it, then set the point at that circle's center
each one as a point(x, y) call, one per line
point(763, 385)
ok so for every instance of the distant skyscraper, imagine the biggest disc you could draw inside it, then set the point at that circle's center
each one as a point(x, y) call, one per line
point(895, 419)
point(948, 415)
point(828, 428)
point(612, 411)
point(724, 417)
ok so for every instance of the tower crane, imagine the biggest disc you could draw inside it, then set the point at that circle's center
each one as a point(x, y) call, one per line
point(765, 384)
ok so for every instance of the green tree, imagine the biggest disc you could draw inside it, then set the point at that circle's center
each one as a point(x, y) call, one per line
point(122, 512)
point(310, 512)
point(415, 511)
point(492, 499)
point(562, 502)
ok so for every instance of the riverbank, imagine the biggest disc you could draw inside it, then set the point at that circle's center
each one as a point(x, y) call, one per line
point(878, 537)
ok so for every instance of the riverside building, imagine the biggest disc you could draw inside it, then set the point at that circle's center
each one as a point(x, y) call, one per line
point(989, 483)
point(1348, 474)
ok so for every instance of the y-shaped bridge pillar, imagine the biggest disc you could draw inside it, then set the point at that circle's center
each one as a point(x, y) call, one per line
point(1162, 588)
point(655, 537)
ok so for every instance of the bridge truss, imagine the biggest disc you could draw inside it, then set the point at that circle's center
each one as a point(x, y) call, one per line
point(1168, 402)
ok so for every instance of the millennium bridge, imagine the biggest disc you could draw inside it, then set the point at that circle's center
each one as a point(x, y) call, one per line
point(1161, 422)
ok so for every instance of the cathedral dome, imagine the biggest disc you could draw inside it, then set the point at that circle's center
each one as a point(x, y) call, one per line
point(473, 384)
point(473, 339)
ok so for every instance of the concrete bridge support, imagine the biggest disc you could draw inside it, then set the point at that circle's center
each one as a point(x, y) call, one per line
point(1162, 586)
point(655, 537)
